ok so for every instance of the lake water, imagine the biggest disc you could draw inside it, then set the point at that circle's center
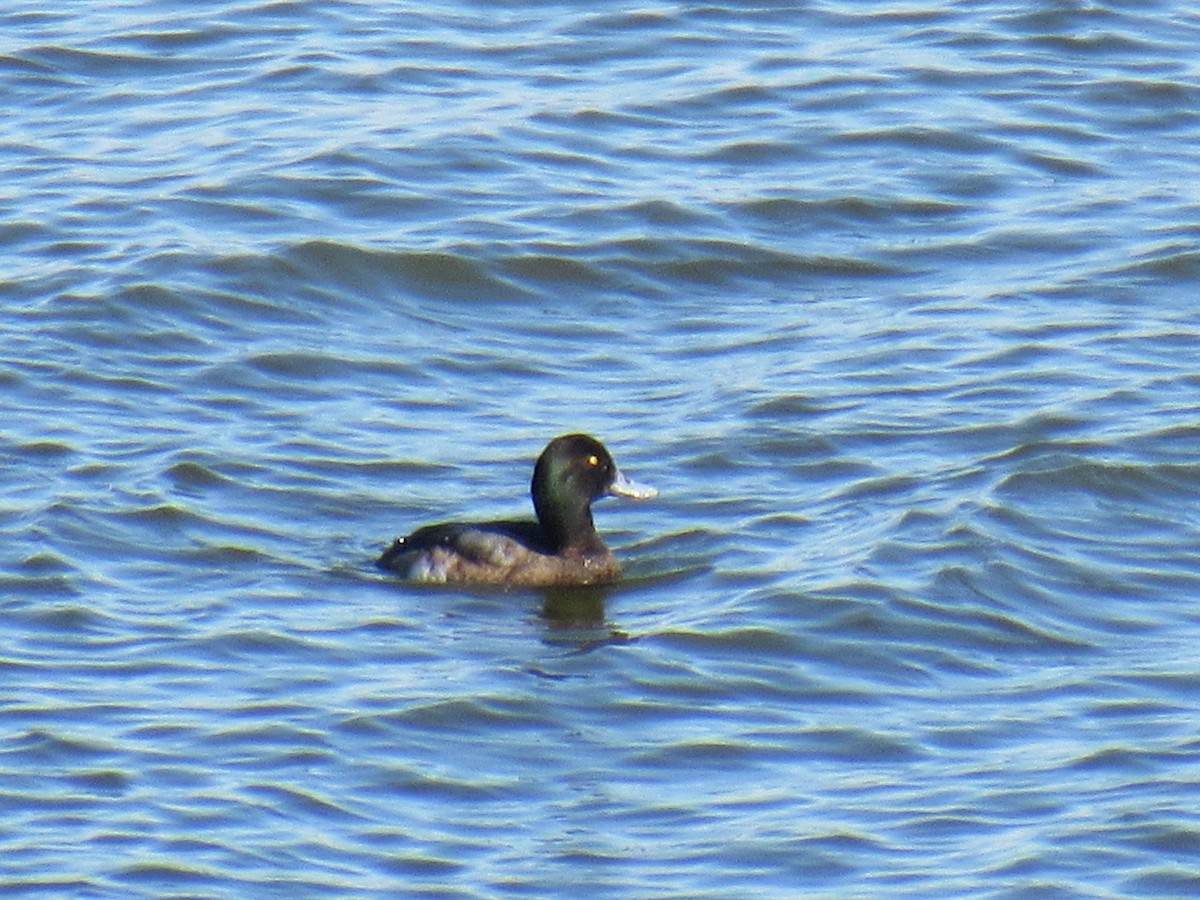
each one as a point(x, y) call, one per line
point(897, 304)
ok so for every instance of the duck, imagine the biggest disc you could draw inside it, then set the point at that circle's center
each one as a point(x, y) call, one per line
point(560, 548)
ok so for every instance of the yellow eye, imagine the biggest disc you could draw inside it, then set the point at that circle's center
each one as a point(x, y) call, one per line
point(593, 461)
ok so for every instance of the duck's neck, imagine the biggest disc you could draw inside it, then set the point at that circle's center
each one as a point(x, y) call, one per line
point(568, 526)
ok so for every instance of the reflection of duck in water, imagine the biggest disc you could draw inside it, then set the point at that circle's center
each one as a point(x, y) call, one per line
point(560, 548)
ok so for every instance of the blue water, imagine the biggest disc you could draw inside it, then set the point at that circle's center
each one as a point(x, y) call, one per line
point(895, 304)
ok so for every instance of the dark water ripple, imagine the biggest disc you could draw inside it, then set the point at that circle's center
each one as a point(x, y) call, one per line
point(894, 305)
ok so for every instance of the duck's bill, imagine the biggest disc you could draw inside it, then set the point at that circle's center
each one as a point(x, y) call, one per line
point(623, 487)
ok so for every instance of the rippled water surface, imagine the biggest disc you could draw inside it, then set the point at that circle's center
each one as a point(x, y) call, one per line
point(896, 304)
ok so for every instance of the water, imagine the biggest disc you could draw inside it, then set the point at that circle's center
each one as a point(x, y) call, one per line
point(895, 304)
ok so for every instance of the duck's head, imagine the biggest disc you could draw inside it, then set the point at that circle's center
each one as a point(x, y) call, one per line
point(572, 471)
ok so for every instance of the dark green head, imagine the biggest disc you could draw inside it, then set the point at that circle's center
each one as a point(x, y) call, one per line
point(572, 471)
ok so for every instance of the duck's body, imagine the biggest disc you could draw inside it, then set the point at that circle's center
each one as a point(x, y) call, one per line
point(513, 553)
point(560, 548)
